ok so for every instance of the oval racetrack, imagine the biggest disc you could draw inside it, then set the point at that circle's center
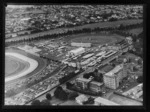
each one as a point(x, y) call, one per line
point(29, 66)
point(14, 65)
point(23, 64)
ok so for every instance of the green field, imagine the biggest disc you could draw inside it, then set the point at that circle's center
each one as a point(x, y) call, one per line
point(95, 39)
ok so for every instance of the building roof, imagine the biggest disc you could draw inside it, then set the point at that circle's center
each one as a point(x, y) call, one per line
point(104, 101)
point(77, 50)
point(97, 83)
point(88, 55)
point(100, 53)
point(107, 68)
point(115, 70)
point(83, 79)
point(82, 98)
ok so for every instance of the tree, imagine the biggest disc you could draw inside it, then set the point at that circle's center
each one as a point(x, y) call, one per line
point(100, 93)
point(73, 95)
point(89, 101)
point(48, 96)
point(140, 79)
point(140, 61)
point(63, 95)
point(135, 69)
point(57, 91)
point(69, 85)
point(113, 19)
point(45, 102)
point(36, 102)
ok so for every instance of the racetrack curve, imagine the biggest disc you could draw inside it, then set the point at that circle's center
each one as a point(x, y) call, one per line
point(31, 66)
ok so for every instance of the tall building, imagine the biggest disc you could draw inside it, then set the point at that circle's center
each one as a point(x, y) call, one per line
point(113, 77)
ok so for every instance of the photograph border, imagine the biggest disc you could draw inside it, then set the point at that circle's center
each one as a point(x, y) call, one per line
point(76, 107)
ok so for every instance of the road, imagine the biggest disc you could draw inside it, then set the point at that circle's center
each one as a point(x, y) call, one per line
point(81, 74)
point(51, 91)
point(63, 30)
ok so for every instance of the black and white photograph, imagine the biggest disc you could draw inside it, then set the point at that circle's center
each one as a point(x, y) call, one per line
point(74, 55)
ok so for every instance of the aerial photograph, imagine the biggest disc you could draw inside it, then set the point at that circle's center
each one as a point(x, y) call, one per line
point(74, 55)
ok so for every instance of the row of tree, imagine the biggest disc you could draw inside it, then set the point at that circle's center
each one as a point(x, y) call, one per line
point(67, 77)
point(61, 94)
point(43, 102)
point(70, 32)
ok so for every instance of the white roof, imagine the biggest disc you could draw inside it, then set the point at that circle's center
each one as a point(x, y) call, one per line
point(88, 55)
point(81, 98)
point(83, 79)
point(100, 53)
point(115, 70)
point(77, 50)
point(104, 101)
point(97, 83)
point(25, 19)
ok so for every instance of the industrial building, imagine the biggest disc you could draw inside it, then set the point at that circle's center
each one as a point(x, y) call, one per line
point(113, 77)
point(76, 52)
point(88, 84)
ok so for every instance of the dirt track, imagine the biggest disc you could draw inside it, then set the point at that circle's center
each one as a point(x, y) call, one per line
point(32, 66)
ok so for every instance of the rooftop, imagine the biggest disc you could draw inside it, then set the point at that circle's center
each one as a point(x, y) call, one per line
point(107, 68)
point(104, 101)
point(115, 70)
point(83, 79)
point(97, 83)
point(77, 50)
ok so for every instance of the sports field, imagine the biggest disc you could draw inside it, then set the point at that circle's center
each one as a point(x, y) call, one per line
point(96, 39)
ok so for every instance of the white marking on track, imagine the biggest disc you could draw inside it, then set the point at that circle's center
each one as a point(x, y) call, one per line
point(33, 65)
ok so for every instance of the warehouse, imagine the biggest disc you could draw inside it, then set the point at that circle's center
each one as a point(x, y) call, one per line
point(77, 51)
